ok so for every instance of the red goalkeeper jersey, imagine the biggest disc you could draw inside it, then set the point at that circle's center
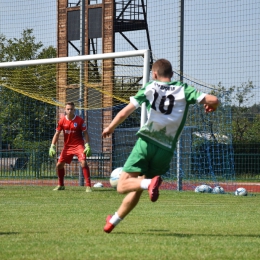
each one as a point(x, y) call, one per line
point(72, 130)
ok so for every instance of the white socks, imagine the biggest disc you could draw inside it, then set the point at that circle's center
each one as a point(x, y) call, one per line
point(115, 219)
point(145, 183)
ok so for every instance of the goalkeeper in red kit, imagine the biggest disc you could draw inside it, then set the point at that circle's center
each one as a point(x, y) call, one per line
point(72, 127)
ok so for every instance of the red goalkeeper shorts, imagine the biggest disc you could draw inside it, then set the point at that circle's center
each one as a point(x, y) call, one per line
point(68, 153)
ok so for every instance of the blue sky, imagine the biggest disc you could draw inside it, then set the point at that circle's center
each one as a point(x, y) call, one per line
point(15, 16)
point(222, 40)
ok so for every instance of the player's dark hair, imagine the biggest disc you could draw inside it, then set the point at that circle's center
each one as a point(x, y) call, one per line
point(163, 68)
point(70, 104)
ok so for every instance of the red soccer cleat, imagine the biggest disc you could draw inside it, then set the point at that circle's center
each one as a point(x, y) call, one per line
point(153, 188)
point(108, 227)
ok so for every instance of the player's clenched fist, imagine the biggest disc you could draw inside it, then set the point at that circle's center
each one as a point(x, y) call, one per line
point(209, 108)
point(106, 133)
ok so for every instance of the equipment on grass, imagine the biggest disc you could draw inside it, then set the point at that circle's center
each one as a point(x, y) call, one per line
point(197, 189)
point(218, 190)
point(241, 192)
point(114, 177)
point(98, 185)
point(203, 188)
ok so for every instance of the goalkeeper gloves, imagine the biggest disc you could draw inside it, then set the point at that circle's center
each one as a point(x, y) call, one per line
point(52, 150)
point(87, 150)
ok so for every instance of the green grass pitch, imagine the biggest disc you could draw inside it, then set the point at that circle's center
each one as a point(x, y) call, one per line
point(38, 223)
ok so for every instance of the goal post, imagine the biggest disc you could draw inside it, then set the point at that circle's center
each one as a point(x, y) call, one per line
point(108, 82)
point(112, 55)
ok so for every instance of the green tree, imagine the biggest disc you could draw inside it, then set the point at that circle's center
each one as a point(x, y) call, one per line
point(244, 119)
point(241, 119)
point(26, 121)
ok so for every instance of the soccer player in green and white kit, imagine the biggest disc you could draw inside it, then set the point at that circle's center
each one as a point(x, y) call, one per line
point(167, 105)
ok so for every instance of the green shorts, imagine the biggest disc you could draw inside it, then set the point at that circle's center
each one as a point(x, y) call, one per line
point(148, 159)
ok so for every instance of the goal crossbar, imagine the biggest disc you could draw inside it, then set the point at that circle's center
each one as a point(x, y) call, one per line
point(144, 53)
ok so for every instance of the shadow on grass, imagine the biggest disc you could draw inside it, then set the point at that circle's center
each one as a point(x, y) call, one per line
point(9, 233)
point(93, 190)
point(168, 233)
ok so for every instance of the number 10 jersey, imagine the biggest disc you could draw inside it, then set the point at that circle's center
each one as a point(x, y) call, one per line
point(167, 106)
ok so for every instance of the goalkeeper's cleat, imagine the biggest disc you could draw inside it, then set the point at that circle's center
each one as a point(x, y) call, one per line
point(153, 188)
point(88, 189)
point(108, 227)
point(59, 188)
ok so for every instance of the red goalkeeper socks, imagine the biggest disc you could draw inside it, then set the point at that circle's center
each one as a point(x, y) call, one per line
point(61, 174)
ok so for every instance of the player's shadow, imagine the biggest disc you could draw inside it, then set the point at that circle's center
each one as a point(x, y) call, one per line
point(8, 233)
point(102, 190)
point(168, 233)
point(93, 189)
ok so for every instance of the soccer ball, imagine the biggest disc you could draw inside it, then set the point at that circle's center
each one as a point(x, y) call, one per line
point(114, 177)
point(197, 189)
point(218, 190)
point(241, 192)
point(98, 185)
point(203, 189)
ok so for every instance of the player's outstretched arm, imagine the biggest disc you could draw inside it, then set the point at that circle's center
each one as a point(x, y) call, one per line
point(210, 103)
point(120, 117)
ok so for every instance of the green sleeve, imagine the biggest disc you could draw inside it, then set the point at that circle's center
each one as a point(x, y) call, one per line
point(140, 96)
point(191, 94)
